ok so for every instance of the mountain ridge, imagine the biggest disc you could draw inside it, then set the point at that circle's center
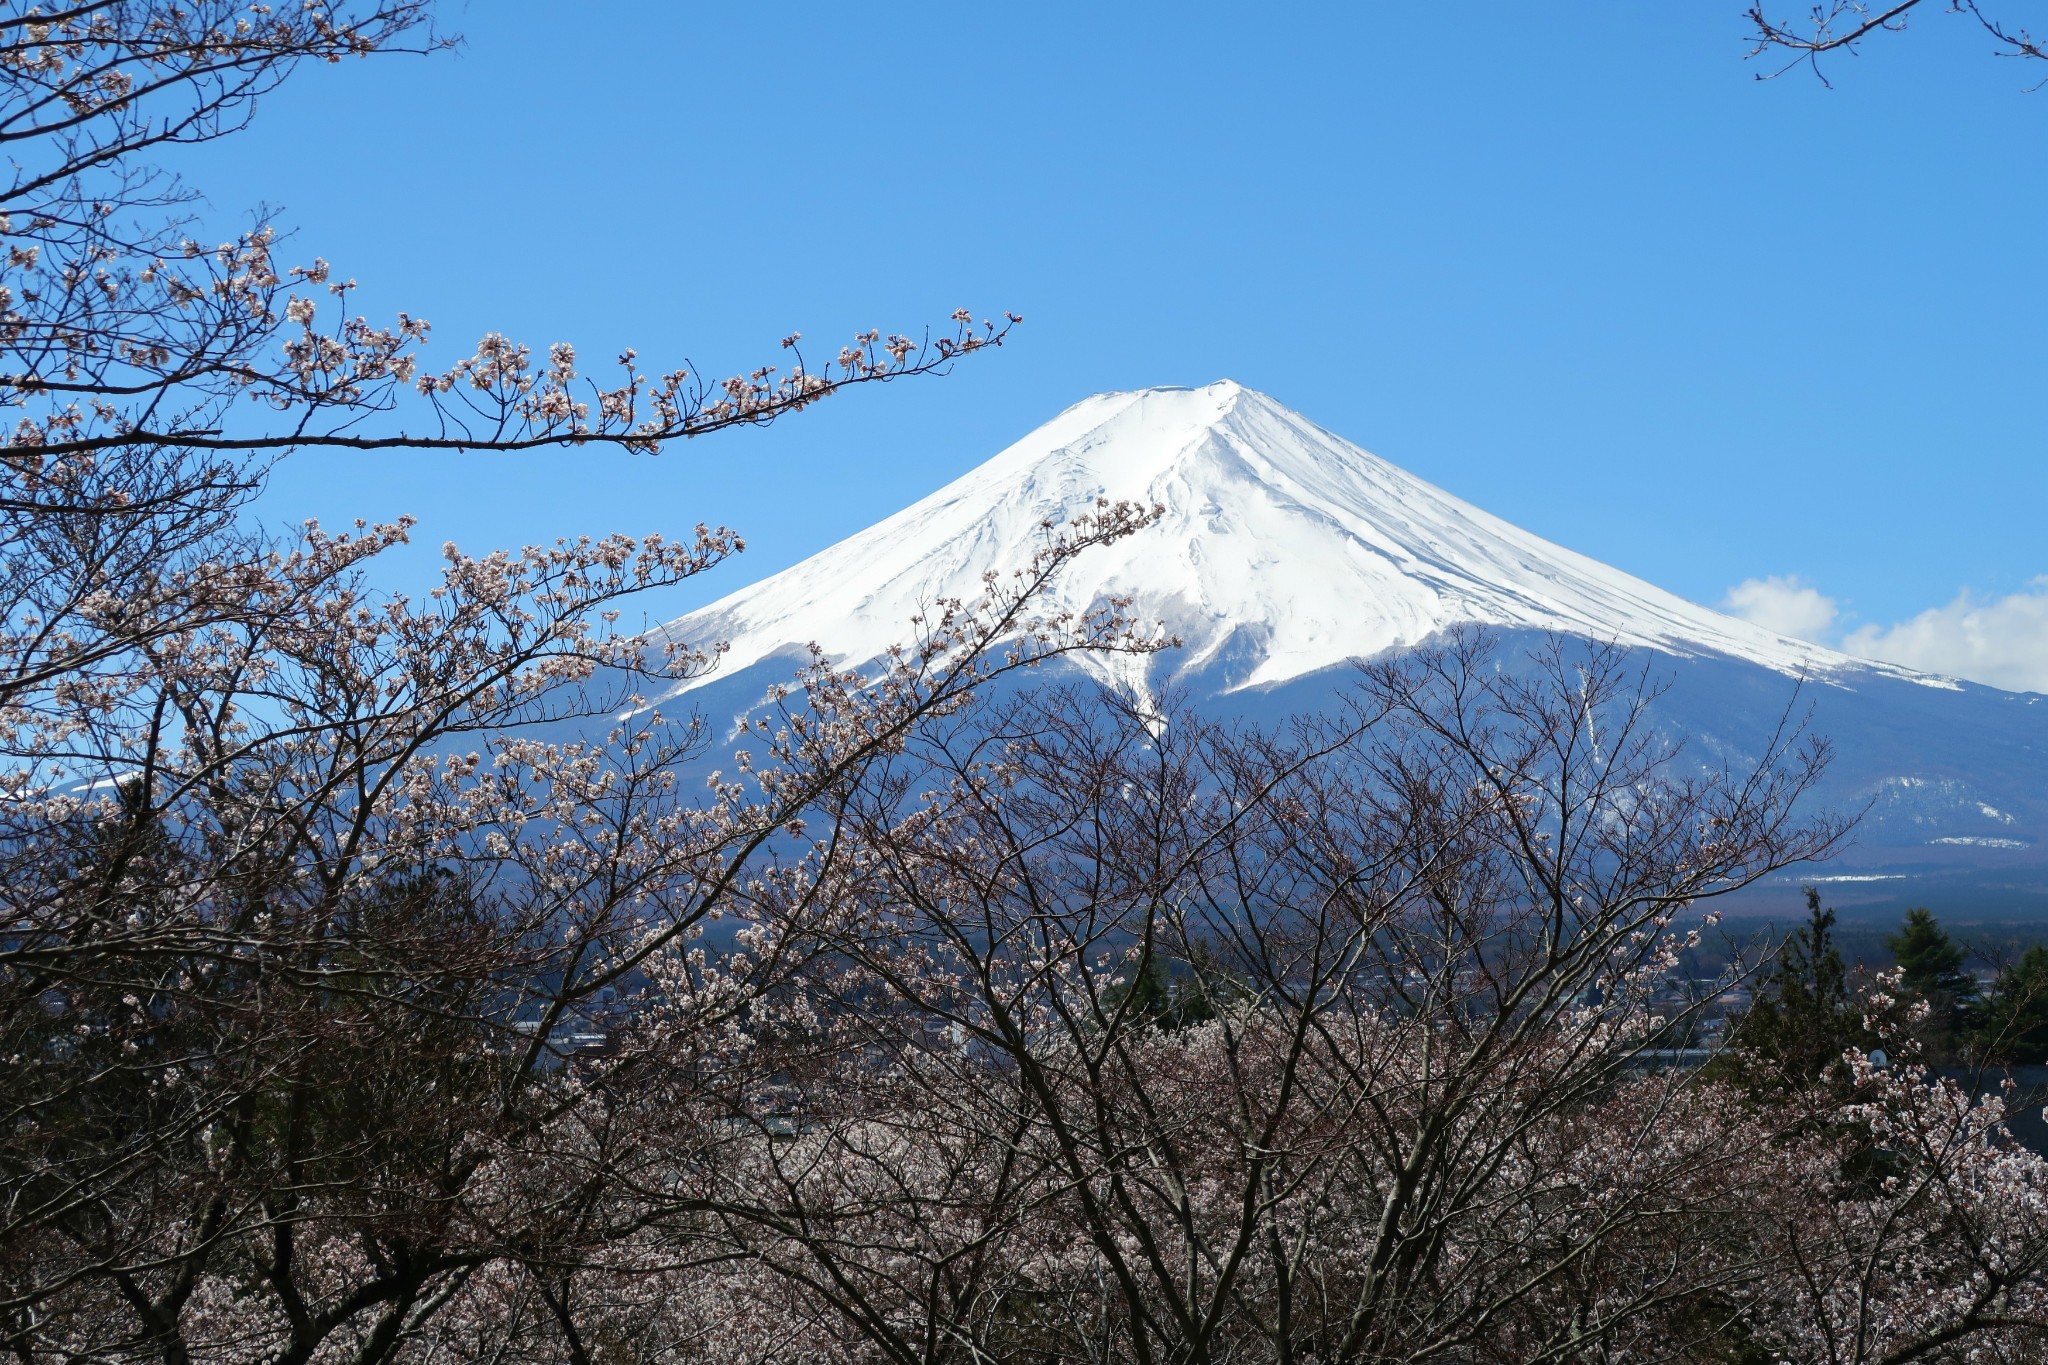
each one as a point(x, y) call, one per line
point(1274, 527)
point(1285, 551)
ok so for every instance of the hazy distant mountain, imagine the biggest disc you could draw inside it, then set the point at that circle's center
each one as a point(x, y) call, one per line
point(1286, 551)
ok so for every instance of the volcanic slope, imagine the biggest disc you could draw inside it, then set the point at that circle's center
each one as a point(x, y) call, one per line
point(1285, 551)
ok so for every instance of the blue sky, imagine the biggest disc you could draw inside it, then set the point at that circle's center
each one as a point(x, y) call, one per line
point(1574, 263)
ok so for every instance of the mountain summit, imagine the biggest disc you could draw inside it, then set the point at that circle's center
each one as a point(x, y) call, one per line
point(1284, 550)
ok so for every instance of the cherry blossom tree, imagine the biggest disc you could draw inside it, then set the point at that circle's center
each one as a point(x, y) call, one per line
point(1425, 932)
point(295, 904)
point(1420, 1116)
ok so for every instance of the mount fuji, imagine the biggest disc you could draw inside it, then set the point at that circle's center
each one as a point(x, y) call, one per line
point(1285, 552)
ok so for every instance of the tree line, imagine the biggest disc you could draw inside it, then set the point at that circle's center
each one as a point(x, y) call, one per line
point(1807, 1012)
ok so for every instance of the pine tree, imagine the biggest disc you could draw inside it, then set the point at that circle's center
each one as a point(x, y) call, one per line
point(2011, 1027)
point(1931, 969)
point(1931, 961)
point(1803, 1018)
point(1161, 997)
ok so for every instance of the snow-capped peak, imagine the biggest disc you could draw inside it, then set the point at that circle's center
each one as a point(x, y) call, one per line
point(1284, 550)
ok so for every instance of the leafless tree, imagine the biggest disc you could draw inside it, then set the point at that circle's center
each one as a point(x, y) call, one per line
point(1842, 26)
point(1146, 1040)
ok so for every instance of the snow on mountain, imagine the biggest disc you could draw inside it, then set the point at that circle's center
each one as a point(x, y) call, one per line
point(1284, 550)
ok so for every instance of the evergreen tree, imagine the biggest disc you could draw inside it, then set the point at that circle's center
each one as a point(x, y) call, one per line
point(1158, 996)
point(1931, 969)
point(1803, 1018)
point(1931, 961)
point(2011, 1027)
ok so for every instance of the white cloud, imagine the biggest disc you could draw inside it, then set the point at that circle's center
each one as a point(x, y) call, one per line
point(2003, 642)
point(1784, 605)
